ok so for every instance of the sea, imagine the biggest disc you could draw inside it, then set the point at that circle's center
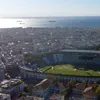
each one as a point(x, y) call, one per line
point(83, 21)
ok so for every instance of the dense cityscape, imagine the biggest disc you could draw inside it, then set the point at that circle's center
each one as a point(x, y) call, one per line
point(50, 50)
point(14, 42)
point(26, 46)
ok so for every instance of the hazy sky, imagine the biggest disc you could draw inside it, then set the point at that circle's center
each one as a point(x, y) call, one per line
point(26, 8)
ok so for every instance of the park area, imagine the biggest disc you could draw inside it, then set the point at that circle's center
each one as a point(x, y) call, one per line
point(69, 69)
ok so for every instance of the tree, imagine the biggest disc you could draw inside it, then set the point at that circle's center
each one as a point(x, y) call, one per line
point(98, 90)
point(57, 79)
point(26, 88)
point(95, 82)
point(84, 81)
point(71, 83)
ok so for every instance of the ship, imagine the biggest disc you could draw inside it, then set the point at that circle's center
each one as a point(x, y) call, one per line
point(19, 21)
point(52, 21)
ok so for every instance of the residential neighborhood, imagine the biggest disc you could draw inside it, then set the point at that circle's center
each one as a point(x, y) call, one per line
point(17, 89)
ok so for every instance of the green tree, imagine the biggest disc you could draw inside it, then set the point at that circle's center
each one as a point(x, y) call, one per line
point(26, 88)
point(71, 83)
point(98, 90)
point(57, 79)
point(84, 81)
point(95, 82)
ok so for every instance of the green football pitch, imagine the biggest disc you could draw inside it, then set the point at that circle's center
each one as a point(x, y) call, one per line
point(69, 69)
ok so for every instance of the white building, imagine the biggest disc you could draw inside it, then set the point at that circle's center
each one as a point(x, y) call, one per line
point(12, 87)
point(4, 96)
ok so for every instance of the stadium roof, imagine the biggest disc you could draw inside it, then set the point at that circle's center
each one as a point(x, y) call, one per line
point(81, 51)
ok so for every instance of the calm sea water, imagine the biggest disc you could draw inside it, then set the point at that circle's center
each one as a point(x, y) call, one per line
point(50, 22)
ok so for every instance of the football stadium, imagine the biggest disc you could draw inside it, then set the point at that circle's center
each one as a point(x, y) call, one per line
point(66, 64)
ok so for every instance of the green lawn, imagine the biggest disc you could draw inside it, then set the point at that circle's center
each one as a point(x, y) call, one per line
point(69, 69)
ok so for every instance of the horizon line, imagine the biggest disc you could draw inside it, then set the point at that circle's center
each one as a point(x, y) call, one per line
point(48, 16)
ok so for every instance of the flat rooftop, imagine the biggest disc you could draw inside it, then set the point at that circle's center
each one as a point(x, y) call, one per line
point(4, 96)
point(7, 84)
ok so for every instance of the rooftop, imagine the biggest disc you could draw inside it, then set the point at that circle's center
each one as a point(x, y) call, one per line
point(90, 91)
point(4, 96)
point(54, 96)
point(80, 86)
point(33, 97)
point(87, 89)
point(7, 84)
point(43, 84)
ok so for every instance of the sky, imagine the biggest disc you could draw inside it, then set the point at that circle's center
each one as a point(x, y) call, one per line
point(31, 8)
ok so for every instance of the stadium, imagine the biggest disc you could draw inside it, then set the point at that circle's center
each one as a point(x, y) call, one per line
point(81, 59)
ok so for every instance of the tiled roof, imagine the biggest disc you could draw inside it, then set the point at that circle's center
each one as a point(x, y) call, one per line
point(80, 86)
point(43, 84)
point(87, 89)
point(90, 91)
